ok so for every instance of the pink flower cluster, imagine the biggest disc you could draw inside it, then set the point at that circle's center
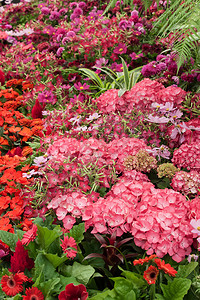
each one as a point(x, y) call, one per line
point(187, 156)
point(187, 183)
point(141, 96)
point(158, 219)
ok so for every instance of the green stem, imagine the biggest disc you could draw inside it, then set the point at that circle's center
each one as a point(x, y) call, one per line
point(152, 292)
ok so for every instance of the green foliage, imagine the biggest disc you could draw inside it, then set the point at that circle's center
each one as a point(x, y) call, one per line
point(46, 236)
point(185, 270)
point(82, 273)
point(9, 239)
point(77, 232)
point(176, 289)
point(181, 21)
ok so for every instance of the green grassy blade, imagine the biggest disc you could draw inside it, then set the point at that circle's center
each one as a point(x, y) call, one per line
point(93, 76)
point(126, 75)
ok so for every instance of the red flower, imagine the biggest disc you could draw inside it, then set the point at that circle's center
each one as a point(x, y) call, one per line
point(33, 294)
point(20, 259)
point(30, 235)
point(11, 285)
point(36, 112)
point(67, 244)
point(73, 292)
point(167, 268)
point(2, 77)
point(151, 274)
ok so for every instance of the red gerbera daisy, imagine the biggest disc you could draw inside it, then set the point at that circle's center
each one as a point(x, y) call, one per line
point(12, 284)
point(33, 294)
point(30, 235)
point(151, 274)
point(167, 268)
point(69, 246)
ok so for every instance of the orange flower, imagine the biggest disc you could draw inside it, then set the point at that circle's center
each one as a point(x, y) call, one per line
point(5, 224)
point(27, 150)
point(167, 268)
point(141, 261)
point(151, 274)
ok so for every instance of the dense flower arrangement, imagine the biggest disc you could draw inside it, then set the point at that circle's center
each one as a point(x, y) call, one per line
point(99, 164)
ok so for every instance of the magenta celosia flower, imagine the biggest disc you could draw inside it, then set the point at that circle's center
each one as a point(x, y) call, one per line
point(69, 247)
point(20, 260)
point(120, 49)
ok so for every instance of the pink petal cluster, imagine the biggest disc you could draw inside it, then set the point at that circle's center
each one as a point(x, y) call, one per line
point(187, 156)
point(70, 206)
point(186, 183)
point(141, 96)
point(158, 219)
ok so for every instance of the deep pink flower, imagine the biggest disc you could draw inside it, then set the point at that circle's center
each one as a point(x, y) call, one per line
point(36, 112)
point(73, 292)
point(20, 260)
point(120, 49)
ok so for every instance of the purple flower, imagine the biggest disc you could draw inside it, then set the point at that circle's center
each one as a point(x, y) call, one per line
point(157, 120)
point(149, 69)
point(135, 56)
point(161, 67)
point(60, 51)
point(55, 15)
point(117, 67)
point(196, 225)
point(80, 87)
point(81, 4)
point(47, 97)
point(78, 11)
point(192, 257)
point(134, 15)
point(120, 49)
point(71, 33)
point(45, 11)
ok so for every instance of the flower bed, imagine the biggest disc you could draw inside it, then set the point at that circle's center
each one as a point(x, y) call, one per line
point(99, 143)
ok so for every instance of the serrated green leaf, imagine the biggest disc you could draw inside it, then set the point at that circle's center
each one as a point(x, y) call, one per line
point(176, 289)
point(82, 273)
point(122, 286)
point(136, 279)
point(48, 286)
point(9, 239)
point(77, 232)
point(47, 236)
point(55, 260)
point(185, 270)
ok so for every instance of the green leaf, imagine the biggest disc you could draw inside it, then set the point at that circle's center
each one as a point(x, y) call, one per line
point(44, 265)
point(82, 273)
point(176, 289)
point(109, 294)
point(185, 270)
point(93, 76)
point(77, 232)
point(9, 239)
point(55, 260)
point(48, 286)
point(122, 286)
point(159, 297)
point(121, 92)
point(136, 279)
point(46, 236)
point(126, 75)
